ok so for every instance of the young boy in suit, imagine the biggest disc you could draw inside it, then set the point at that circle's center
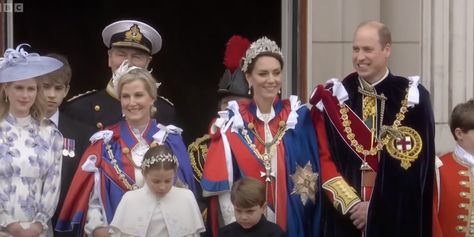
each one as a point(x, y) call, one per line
point(55, 86)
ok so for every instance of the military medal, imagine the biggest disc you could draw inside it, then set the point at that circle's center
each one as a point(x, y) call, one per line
point(72, 147)
point(65, 144)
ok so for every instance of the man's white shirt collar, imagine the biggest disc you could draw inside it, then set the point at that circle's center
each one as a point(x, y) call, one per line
point(55, 118)
point(381, 79)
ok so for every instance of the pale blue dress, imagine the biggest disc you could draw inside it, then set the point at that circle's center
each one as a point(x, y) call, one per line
point(30, 172)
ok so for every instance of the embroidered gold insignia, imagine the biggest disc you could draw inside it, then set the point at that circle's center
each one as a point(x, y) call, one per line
point(405, 148)
point(304, 183)
point(134, 34)
point(198, 154)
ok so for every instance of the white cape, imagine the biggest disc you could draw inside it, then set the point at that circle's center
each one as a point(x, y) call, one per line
point(179, 209)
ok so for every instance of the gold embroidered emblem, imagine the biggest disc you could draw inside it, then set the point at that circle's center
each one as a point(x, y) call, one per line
point(405, 148)
point(304, 183)
point(369, 107)
point(134, 34)
point(198, 154)
point(344, 195)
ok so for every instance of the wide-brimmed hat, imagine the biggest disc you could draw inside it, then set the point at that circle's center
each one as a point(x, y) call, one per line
point(17, 65)
point(133, 34)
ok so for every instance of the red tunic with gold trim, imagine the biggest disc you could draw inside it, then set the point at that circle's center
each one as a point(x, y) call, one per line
point(455, 216)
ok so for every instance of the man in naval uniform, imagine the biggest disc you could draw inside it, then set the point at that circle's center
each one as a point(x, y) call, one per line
point(380, 127)
point(129, 40)
point(76, 135)
point(453, 213)
point(232, 86)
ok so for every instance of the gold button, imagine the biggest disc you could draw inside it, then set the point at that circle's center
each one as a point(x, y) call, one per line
point(125, 150)
point(459, 228)
point(463, 183)
point(97, 108)
point(463, 194)
point(462, 172)
point(462, 205)
point(281, 123)
point(99, 125)
point(461, 217)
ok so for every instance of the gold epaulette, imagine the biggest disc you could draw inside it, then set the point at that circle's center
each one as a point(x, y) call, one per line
point(344, 195)
point(81, 95)
point(167, 100)
point(198, 154)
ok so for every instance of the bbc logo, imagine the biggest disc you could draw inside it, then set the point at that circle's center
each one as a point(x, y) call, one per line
point(11, 7)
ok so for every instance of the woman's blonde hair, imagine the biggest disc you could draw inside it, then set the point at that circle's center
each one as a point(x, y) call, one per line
point(139, 74)
point(37, 110)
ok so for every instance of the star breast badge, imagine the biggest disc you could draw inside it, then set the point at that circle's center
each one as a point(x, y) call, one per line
point(304, 183)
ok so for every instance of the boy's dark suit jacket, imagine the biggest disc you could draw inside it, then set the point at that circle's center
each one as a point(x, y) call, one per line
point(80, 132)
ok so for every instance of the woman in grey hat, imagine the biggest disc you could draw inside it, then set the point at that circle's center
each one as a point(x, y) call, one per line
point(30, 157)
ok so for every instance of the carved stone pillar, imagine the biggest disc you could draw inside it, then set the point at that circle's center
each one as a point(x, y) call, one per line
point(447, 60)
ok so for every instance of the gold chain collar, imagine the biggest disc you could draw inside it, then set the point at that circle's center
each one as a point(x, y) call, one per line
point(384, 138)
point(120, 173)
point(266, 157)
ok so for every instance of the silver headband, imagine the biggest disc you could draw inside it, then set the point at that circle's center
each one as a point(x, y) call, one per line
point(160, 158)
point(261, 45)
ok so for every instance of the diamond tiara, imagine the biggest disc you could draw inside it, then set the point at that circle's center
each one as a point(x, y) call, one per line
point(261, 45)
point(159, 158)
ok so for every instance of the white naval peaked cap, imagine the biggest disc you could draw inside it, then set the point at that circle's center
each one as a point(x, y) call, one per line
point(17, 65)
point(134, 34)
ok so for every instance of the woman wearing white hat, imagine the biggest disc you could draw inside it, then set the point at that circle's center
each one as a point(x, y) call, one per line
point(30, 157)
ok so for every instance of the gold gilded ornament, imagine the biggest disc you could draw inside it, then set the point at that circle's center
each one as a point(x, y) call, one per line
point(134, 34)
point(370, 107)
point(407, 148)
point(380, 143)
point(344, 195)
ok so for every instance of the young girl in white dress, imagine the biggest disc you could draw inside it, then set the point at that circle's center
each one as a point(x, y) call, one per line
point(158, 208)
